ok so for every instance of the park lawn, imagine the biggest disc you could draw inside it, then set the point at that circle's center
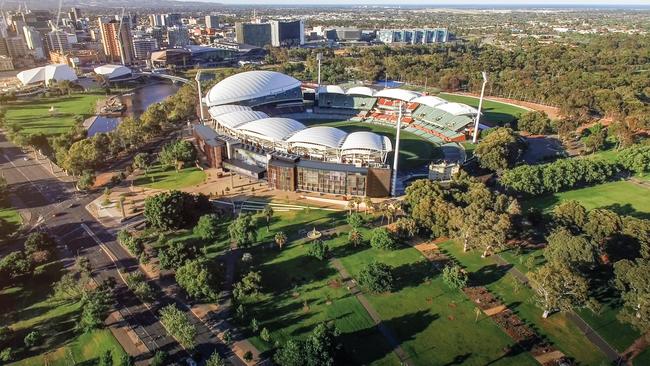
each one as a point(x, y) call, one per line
point(34, 116)
point(10, 215)
point(301, 292)
point(557, 328)
point(435, 325)
point(28, 307)
point(623, 197)
point(495, 112)
point(157, 178)
point(414, 150)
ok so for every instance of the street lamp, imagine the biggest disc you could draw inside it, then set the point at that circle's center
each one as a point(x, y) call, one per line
point(396, 157)
point(319, 58)
point(198, 84)
point(480, 106)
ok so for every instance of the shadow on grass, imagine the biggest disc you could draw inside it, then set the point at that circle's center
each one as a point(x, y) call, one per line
point(413, 274)
point(489, 274)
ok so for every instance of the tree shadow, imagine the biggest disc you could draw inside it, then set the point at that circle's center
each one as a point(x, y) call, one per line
point(413, 274)
point(488, 274)
point(627, 210)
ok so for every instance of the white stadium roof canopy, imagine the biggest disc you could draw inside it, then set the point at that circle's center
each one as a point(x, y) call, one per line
point(271, 129)
point(330, 89)
point(458, 109)
point(238, 118)
point(249, 85)
point(361, 90)
point(364, 140)
point(429, 100)
point(47, 73)
point(397, 93)
point(112, 71)
point(217, 111)
point(326, 136)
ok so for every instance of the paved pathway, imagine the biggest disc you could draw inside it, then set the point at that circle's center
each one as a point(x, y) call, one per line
point(587, 330)
point(385, 331)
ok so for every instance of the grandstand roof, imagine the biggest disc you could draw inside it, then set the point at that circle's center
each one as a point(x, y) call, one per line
point(238, 118)
point(112, 71)
point(216, 111)
point(249, 85)
point(364, 140)
point(320, 135)
point(429, 100)
point(331, 89)
point(361, 90)
point(272, 129)
point(47, 73)
point(457, 109)
point(397, 93)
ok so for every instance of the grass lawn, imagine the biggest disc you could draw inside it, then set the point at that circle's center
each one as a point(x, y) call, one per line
point(157, 178)
point(28, 307)
point(414, 150)
point(623, 197)
point(34, 116)
point(557, 328)
point(10, 215)
point(435, 325)
point(495, 112)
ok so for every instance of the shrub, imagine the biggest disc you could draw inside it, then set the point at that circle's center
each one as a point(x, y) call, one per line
point(318, 249)
point(376, 277)
point(381, 238)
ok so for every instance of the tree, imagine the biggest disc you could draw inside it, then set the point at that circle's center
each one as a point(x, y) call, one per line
point(126, 360)
point(265, 335)
point(571, 215)
point(249, 286)
point(596, 138)
point(32, 339)
point(196, 279)
point(355, 220)
point(38, 241)
point(291, 354)
point(268, 215)
point(406, 227)
point(534, 122)
point(479, 228)
point(132, 243)
point(215, 360)
point(178, 325)
point(207, 227)
point(381, 238)
point(318, 249)
point(142, 161)
point(635, 159)
point(243, 230)
point(601, 225)
point(320, 348)
point(82, 155)
point(355, 238)
point(13, 266)
point(376, 277)
point(159, 358)
point(248, 356)
point(280, 239)
point(633, 281)
point(137, 282)
point(95, 306)
point(177, 253)
point(557, 288)
point(573, 251)
point(86, 180)
point(3, 188)
point(454, 277)
point(176, 154)
point(175, 209)
point(68, 288)
point(106, 359)
point(499, 150)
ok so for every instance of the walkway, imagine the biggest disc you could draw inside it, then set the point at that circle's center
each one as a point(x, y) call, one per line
point(385, 331)
point(587, 330)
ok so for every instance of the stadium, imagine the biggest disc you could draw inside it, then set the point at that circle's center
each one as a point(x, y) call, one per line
point(262, 126)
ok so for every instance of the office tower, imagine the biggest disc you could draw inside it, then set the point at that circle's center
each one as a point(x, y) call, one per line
point(157, 20)
point(16, 47)
point(177, 37)
point(118, 43)
point(348, 34)
point(287, 33)
point(3, 47)
point(253, 34)
point(143, 46)
point(34, 41)
point(211, 21)
point(157, 33)
point(58, 41)
point(173, 19)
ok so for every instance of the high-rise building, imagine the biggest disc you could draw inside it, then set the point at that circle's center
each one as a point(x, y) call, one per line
point(74, 14)
point(143, 47)
point(157, 33)
point(173, 19)
point(3, 47)
point(16, 47)
point(117, 42)
point(287, 34)
point(3, 26)
point(348, 34)
point(6, 64)
point(157, 20)
point(177, 37)
point(58, 41)
point(34, 41)
point(253, 34)
point(413, 36)
point(211, 21)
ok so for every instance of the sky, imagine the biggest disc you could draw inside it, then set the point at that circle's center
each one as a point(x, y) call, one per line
point(449, 3)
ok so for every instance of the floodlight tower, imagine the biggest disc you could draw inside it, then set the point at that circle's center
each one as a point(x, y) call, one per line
point(119, 37)
point(319, 58)
point(396, 157)
point(198, 85)
point(480, 106)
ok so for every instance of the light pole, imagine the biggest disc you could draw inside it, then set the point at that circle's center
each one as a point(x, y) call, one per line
point(198, 84)
point(396, 157)
point(480, 106)
point(319, 58)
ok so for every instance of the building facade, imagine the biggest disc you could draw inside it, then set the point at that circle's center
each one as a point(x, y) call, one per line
point(211, 21)
point(117, 43)
point(177, 37)
point(287, 34)
point(413, 36)
point(253, 34)
point(143, 47)
point(34, 41)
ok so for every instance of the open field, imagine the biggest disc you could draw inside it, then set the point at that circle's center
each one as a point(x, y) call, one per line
point(495, 112)
point(414, 150)
point(157, 178)
point(33, 116)
point(623, 197)
point(11, 216)
point(27, 308)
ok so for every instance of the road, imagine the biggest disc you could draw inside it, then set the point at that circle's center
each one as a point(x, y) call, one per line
point(55, 206)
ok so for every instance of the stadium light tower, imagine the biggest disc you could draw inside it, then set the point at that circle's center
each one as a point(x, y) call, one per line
point(480, 106)
point(198, 84)
point(396, 157)
point(319, 58)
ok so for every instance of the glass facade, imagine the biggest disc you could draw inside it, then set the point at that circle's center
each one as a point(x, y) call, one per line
point(333, 182)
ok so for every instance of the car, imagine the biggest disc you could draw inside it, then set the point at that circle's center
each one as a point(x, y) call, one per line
point(26, 158)
point(190, 362)
point(57, 214)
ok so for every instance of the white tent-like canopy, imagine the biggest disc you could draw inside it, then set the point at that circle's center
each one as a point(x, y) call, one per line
point(44, 74)
point(361, 90)
point(364, 140)
point(399, 94)
point(237, 118)
point(429, 100)
point(330, 89)
point(458, 109)
point(249, 85)
point(319, 137)
point(219, 110)
point(112, 71)
point(272, 129)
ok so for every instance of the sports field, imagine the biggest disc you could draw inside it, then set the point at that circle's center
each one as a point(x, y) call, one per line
point(494, 112)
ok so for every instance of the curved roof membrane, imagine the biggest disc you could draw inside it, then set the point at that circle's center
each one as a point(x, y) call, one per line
point(458, 109)
point(429, 100)
point(364, 140)
point(331, 89)
point(272, 129)
point(361, 90)
point(249, 85)
point(397, 93)
point(219, 110)
point(326, 136)
point(238, 118)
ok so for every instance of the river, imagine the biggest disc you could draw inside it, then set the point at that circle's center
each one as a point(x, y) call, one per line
point(139, 99)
